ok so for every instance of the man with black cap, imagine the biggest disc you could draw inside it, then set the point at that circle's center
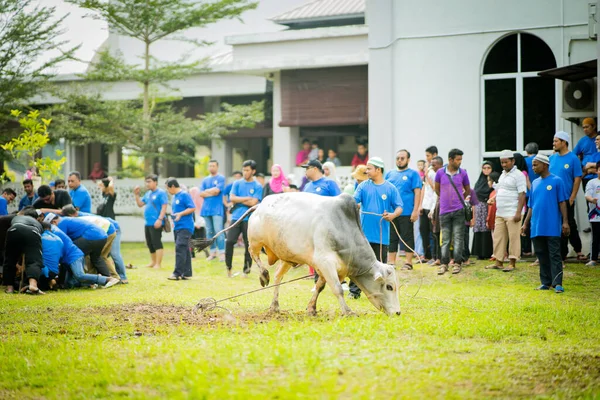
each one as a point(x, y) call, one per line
point(546, 218)
point(567, 166)
point(319, 184)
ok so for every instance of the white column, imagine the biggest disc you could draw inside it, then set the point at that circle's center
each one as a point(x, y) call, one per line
point(220, 150)
point(113, 161)
point(286, 140)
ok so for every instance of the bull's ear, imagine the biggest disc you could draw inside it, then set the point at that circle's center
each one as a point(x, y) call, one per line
point(377, 277)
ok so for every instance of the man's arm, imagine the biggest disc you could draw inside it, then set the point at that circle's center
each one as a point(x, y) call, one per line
point(526, 222)
point(437, 190)
point(415, 212)
point(565, 224)
point(576, 184)
point(520, 206)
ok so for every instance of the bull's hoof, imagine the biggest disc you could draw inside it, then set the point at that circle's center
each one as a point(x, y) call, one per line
point(264, 278)
point(311, 312)
point(274, 309)
point(349, 314)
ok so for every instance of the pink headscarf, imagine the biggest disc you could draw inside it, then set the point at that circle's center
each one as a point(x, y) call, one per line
point(198, 200)
point(277, 184)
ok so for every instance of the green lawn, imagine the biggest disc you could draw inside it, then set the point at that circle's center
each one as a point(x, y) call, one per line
point(479, 334)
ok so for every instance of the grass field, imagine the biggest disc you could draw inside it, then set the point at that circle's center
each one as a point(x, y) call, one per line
point(480, 334)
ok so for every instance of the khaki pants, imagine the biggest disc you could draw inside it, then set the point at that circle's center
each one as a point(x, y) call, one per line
point(105, 254)
point(507, 232)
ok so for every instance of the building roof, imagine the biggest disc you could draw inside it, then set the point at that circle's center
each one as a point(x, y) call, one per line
point(574, 72)
point(321, 10)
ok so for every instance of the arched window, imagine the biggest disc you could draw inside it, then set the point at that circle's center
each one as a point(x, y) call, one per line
point(518, 106)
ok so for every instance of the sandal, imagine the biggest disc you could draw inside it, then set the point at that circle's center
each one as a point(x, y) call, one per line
point(493, 266)
point(581, 257)
point(34, 292)
point(542, 287)
point(174, 278)
point(442, 269)
point(535, 263)
point(508, 269)
point(407, 267)
point(456, 269)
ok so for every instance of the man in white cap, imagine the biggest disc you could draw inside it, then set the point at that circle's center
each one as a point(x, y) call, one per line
point(510, 200)
point(567, 166)
point(378, 196)
point(546, 218)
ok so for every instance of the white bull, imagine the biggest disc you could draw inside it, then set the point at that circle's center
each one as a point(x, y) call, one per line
point(325, 233)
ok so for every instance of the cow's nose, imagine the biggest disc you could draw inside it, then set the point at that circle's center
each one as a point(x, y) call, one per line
point(398, 313)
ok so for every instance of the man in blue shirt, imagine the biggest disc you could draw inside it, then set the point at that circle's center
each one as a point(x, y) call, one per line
point(245, 193)
point(7, 197)
point(155, 209)
point(52, 248)
point(319, 184)
point(408, 182)
point(228, 205)
point(547, 216)
point(567, 166)
point(212, 209)
point(586, 148)
point(183, 209)
point(30, 194)
point(80, 197)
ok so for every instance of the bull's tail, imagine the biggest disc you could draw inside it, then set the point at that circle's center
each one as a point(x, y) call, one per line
point(201, 244)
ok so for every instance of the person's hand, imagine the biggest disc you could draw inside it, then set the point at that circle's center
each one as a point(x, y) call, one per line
point(158, 224)
point(430, 215)
point(491, 201)
point(517, 217)
point(136, 190)
point(387, 216)
point(177, 217)
point(420, 210)
point(594, 201)
point(20, 269)
point(523, 230)
point(414, 216)
point(571, 200)
point(566, 230)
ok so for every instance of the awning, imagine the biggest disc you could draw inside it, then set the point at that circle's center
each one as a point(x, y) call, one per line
point(575, 72)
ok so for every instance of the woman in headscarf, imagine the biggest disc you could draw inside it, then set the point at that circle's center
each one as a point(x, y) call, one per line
point(482, 235)
point(278, 182)
point(329, 172)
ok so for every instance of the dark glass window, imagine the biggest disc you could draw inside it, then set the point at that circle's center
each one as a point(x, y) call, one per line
point(535, 54)
point(503, 57)
point(500, 114)
point(538, 111)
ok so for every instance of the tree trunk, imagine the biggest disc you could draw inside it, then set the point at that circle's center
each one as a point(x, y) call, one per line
point(148, 161)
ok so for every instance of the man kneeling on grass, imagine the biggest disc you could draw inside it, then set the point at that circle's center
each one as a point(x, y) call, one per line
point(182, 208)
point(547, 208)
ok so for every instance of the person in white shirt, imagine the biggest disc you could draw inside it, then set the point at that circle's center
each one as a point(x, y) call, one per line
point(510, 199)
point(429, 198)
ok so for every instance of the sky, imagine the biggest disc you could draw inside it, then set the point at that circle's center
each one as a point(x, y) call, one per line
point(91, 34)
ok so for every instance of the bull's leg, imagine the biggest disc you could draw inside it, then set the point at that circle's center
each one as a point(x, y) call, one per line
point(311, 309)
point(254, 249)
point(331, 276)
point(282, 269)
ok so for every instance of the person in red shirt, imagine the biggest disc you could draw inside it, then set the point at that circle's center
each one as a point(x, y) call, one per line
point(360, 157)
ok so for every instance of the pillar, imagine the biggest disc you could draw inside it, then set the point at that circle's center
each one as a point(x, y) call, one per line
point(286, 140)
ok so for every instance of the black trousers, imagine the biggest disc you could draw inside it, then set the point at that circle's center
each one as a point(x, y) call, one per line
point(232, 237)
point(425, 230)
point(405, 227)
point(549, 256)
point(93, 248)
point(466, 252)
point(377, 248)
point(183, 256)
point(22, 240)
point(573, 237)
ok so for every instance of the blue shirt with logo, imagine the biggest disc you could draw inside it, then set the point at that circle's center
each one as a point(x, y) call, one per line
point(77, 227)
point(27, 201)
point(154, 202)
point(242, 188)
point(213, 205)
point(566, 167)
point(406, 182)
point(323, 187)
point(71, 252)
point(52, 249)
point(377, 199)
point(113, 224)
point(532, 175)
point(81, 199)
point(586, 147)
point(544, 200)
point(181, 202)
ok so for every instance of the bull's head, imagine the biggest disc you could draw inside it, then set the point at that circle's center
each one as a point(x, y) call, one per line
point(381, 288)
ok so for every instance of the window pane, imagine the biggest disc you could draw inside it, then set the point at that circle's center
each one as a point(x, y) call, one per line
point(539, 114)
point(503, 57)
point(535, 54)
point(500, 114)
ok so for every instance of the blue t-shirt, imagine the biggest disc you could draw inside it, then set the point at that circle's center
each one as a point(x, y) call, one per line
point(586, 147)
point(377, 199)
point(567, 167)
point(213, 205)
point(77, 227)
point(80, 198)
point(27, 201)
point(112, 227)
point(3, 206)
point(544, 199)
point(181, 202)
point(154, 202)
point(532, 175)
point(52, 249)
point(323, 187)
point(241, 188)
point(406, 182)
point(70, 252)
point(227, 190)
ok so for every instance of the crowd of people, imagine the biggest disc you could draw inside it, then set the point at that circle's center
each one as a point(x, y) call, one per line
point(428, 213)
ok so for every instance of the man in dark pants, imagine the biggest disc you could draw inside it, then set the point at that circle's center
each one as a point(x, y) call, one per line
point(428, 200)
point(567, 166)
point(183, 209)
point(24, 238)
point(245, 193)
point(547, 216)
